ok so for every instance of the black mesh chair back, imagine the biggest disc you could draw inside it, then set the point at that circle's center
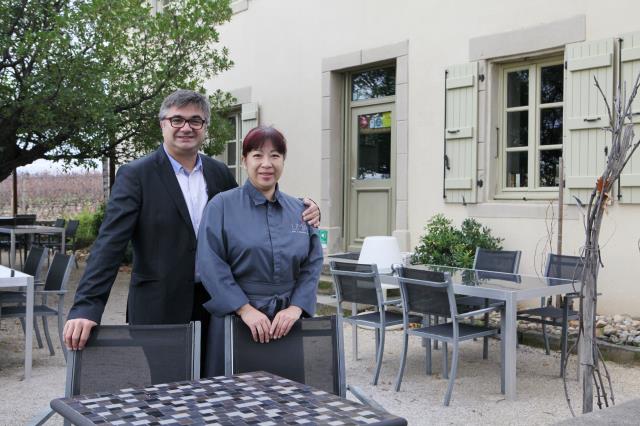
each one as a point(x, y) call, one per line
point(25, 219)
point(356, 283)
point(59, 223)
point(351, 255)
point(497, 260)
point(72, 227)
point(564, 267)
point(419, 296)
point(118, 357)
point(59, 271)
point(35, 260)
point(309, 354)
point(8, 222)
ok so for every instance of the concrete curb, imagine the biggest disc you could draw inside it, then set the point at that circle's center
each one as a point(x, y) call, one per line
point(626, 355)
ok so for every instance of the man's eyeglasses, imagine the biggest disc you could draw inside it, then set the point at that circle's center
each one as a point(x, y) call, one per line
point(178, 122)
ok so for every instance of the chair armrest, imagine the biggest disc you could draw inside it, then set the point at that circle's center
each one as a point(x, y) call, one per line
point(478, 312)
point(393, 302)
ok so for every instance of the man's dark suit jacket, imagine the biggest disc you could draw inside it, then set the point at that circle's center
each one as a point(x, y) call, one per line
point(147, 208)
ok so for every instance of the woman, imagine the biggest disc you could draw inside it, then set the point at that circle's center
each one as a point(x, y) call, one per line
point(256, 257)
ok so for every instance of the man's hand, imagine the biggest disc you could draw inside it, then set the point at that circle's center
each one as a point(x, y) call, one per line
point(284, 320)
point(76, 332)
point(311, 215)
point(257, 322)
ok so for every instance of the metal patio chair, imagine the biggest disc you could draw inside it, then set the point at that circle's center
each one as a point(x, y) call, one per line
point(55, 284)
point(506, 263)
point(22, 241)
point(563, 267)
point(5, 239)
point(48, 239)
point(360, 284)
point(132, 356)
point(70, 232)
point(32, 266)
point(431, 293)
point(311, 353)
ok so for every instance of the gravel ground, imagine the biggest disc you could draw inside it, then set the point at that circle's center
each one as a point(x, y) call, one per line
point(476, 394)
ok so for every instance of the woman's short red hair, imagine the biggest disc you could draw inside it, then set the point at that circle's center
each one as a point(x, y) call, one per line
point(259, 135)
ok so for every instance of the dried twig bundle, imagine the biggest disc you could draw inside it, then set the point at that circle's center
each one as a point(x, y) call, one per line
point(593, 369)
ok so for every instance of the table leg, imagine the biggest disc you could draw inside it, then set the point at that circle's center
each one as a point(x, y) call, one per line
point(510, 341)
point(502, 347)
point(28, 335)
point(354, 331)
point(12, 251)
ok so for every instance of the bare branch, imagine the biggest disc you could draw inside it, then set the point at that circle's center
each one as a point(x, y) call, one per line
point(605, 100)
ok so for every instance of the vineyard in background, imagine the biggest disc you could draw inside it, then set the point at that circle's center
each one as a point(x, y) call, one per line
point(51, 196)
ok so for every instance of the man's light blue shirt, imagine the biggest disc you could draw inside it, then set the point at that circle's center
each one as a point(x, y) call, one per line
point(194, 188)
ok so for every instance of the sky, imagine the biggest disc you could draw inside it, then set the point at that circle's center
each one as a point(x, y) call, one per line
point(54, 167)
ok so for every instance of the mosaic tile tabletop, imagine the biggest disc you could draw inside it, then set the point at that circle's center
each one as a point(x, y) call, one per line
point(259, 399)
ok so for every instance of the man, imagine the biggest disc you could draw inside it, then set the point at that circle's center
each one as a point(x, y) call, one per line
point(157, 203)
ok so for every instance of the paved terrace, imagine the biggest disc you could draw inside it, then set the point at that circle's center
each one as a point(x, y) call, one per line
point(476, 395)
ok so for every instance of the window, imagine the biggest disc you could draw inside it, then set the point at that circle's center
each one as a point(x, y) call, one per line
point(532, 125)
point(232, 149)
point(374, 83)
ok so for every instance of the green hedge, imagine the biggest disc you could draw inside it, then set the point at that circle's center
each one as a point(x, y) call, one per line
point(89, 228)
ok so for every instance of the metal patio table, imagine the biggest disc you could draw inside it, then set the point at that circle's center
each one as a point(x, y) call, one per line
point(12, 278)
point(30, 230)
point(510, 288)
point(256, 398)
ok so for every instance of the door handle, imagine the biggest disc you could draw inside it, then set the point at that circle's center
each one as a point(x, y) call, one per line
point(453, 130)
point(591, 119)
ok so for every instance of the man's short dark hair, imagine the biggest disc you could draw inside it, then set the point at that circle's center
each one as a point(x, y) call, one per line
point(182, 97)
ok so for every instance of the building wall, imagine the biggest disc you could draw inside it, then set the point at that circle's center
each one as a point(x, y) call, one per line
point(279, 46)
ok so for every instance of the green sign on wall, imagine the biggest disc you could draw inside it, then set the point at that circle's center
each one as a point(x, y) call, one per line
point(324, 237)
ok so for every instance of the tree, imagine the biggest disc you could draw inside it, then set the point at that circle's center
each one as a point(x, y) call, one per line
point(82, 79)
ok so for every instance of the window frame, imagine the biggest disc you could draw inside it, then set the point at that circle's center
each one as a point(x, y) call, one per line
point(533, 148)
point(371, 101)
point(236, 169)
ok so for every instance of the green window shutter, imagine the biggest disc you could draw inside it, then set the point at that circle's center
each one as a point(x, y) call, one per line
point(461, 133)
point(250, 117)
point(629, 69)
point(585, 114)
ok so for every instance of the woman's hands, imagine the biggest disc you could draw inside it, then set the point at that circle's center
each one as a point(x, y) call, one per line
point(257, 322)
point(283, 321)
point(262, 329)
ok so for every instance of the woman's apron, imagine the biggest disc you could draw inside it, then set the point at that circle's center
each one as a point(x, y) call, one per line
point(268, 298)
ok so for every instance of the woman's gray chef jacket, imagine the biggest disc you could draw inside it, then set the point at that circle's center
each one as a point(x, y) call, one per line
point(251, 250)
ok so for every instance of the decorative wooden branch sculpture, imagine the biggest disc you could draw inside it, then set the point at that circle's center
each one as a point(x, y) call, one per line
point(593, 370)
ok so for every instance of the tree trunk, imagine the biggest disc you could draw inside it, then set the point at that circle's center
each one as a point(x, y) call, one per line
point(586, 342)
point(106, 182)
point(587, 350)
point(112, 168)
point(14, 186)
